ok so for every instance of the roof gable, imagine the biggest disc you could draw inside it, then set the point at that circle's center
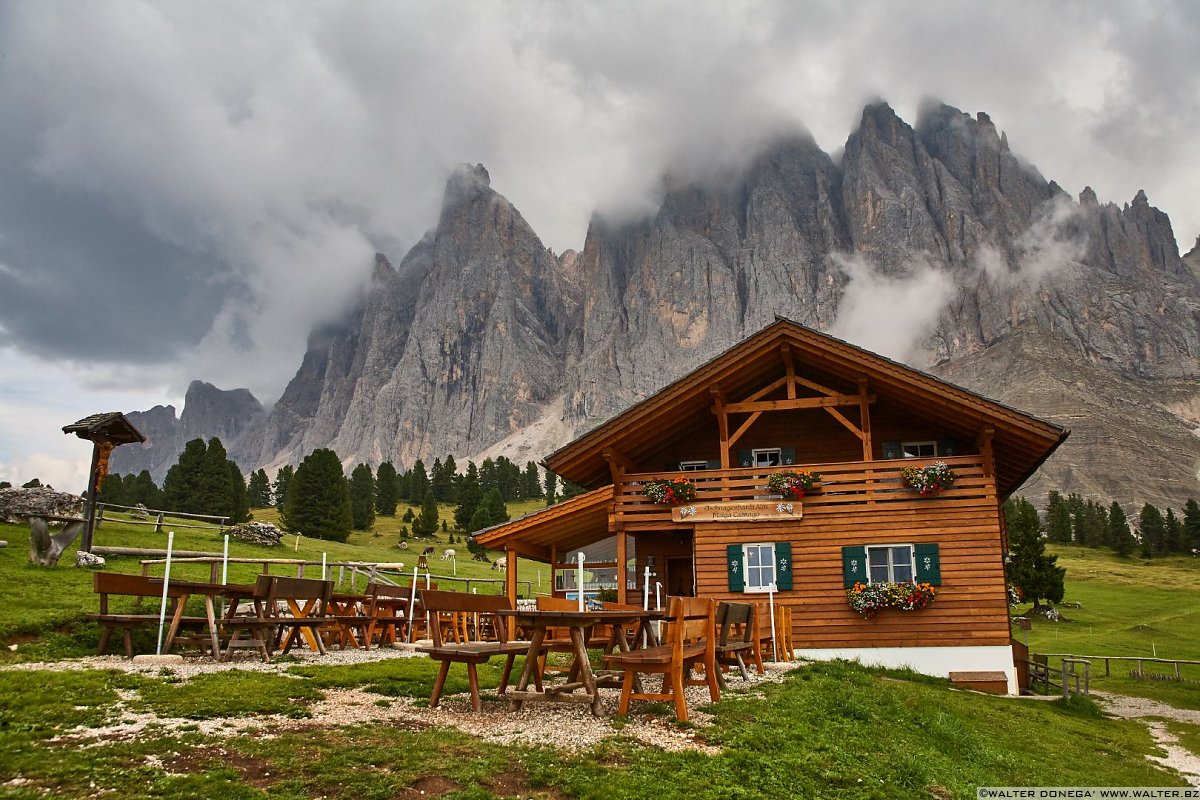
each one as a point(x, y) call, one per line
point(1021, 441)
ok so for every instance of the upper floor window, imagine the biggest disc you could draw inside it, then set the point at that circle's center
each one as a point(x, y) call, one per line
point(767, 457)
point(919, 449)
point(692, 466)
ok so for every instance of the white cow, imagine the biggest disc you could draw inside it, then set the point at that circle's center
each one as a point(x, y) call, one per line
point(448, 554)
point(500, 564)
point(403, 545)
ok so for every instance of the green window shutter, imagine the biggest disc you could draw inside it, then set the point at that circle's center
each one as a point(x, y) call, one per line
point(733, 559)
point(948, 447)
point(787, 455)
point(929, 568)
point(854, 566)
point(713, 463)
point(745, 458)
point(893, 450)
point(783, 566)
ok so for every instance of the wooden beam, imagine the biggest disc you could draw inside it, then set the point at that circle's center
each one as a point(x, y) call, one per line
point(510, 585)
point(616, 458)
point(985, 450)
point(801, 402)
point(622, 557)
point(741, 430)
point(786, 351)
point(718, 408)
point(842, 419)
point(766, 390)
point(816, 387)
point(864, 418)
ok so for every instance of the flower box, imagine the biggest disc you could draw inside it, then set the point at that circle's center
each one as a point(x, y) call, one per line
point(672, 492)
point(929, 480)
point(794, 484)
point(869, 599)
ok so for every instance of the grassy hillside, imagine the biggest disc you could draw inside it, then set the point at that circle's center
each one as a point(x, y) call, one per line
point(36, 602)
point(1128, 607)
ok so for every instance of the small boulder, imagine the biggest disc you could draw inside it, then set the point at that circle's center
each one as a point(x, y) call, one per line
point(88, 560)
point(260, 533)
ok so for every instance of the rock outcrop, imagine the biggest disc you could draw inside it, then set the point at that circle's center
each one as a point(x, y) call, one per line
point(18, 505)
point(482, 338)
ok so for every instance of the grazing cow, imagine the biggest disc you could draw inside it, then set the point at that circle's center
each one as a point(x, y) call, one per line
point(500, 564)
point(428, 551)
point(448, 554)
point(422, 562)
point(403, 545)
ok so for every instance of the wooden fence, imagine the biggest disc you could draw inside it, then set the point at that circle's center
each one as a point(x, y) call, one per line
point(159, 516)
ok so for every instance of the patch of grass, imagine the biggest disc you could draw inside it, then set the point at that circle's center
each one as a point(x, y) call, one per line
point(229, 694)
point(1188, 733)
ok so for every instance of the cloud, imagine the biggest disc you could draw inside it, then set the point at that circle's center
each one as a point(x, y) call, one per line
point(1051, 244)
point(189, 188)
point(893, 314)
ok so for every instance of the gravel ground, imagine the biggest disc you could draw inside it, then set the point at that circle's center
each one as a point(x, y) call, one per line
point(1152, 712)
point(563, 726)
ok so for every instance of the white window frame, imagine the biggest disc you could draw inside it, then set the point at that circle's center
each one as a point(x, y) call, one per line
point(912, 558)
point(692, 466)
point(778, 451)
point(773, 586)
point(905, 445)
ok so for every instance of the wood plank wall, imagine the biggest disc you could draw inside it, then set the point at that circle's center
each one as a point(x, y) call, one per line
point(970, 608)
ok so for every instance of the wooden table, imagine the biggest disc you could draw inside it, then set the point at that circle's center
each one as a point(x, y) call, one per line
point(208, 591)
point(581, 676)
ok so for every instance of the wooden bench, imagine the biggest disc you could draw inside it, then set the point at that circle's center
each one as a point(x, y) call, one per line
point(737, 634)
point(985, 681)
point(470, 653)
point(296, 605)
point(108, 584)
point(386, 606)
point(691, 622)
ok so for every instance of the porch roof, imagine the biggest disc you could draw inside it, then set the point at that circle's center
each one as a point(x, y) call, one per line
point(571, 524)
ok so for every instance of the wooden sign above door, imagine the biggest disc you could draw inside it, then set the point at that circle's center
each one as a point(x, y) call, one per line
point(748, 511)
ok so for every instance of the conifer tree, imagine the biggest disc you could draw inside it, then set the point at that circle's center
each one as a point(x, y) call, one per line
point(362, 498)
point(531, 481)
point(1173, 530)
point(1119, 535)
point(1191, 525)
point(146, 491)
point(258, 492)
point(487, 475)
point(550, 485)
point(450, 468)
point(438, 482)
point(1029, 568)
point(426, 523)
point(238, 508)
point(493, 503)
point(1058, 519)
point(469, 496)
point(418, 482)
point(570, 489)
point(387, 489)
point(283, 477)
point(1152, 529)
point(182, 483)
point(318, 498)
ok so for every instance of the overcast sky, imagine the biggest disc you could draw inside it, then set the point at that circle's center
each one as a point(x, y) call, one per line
point(187, 188)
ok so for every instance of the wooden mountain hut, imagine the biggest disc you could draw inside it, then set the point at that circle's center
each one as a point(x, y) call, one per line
point(791, 400)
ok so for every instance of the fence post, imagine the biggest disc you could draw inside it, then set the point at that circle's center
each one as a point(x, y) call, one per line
point(99, 517)
point(158, 523)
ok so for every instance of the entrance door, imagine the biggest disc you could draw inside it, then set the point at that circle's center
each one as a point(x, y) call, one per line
point(681, 580)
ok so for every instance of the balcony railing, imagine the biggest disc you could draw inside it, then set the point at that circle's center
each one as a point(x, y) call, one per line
point(866, 483)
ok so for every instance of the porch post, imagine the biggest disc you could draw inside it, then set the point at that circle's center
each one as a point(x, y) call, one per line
point(864, 405)
point(622, 557)
point(510, 582)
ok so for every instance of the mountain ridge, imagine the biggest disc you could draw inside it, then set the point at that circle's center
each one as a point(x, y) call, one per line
point(481, 334)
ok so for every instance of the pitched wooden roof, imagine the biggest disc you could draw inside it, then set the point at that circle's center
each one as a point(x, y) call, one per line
point(1021, 441)
point(110, 426)
point(571, 524)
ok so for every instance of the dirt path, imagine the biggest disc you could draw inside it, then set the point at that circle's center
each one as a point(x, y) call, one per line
point(1152, 712)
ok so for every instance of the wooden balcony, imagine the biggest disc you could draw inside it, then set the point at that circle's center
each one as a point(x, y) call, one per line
point(872, 485)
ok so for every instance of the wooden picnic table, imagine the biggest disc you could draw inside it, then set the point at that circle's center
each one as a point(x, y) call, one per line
point(186, 590)
point(581, 676)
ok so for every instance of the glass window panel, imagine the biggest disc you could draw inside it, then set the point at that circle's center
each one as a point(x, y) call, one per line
point(879, 574)
point(766, 458)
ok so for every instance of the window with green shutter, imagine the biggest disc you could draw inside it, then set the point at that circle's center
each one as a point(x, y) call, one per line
point(928, 564)
point(854, 566)
point(735, 570)
point(783, 566)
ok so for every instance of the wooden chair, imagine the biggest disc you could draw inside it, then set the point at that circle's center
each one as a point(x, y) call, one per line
point(469, 653)
point(737, 634)
point(108, 584)
point(386, 606)
point(691, 622)
point(296, 605)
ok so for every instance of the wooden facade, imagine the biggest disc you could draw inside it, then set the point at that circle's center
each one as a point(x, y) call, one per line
point(792, 398)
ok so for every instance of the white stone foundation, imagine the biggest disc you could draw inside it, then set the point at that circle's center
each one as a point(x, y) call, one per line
point(938, 661)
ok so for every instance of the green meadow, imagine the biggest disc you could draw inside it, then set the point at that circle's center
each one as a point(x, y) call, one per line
point(827, 730)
